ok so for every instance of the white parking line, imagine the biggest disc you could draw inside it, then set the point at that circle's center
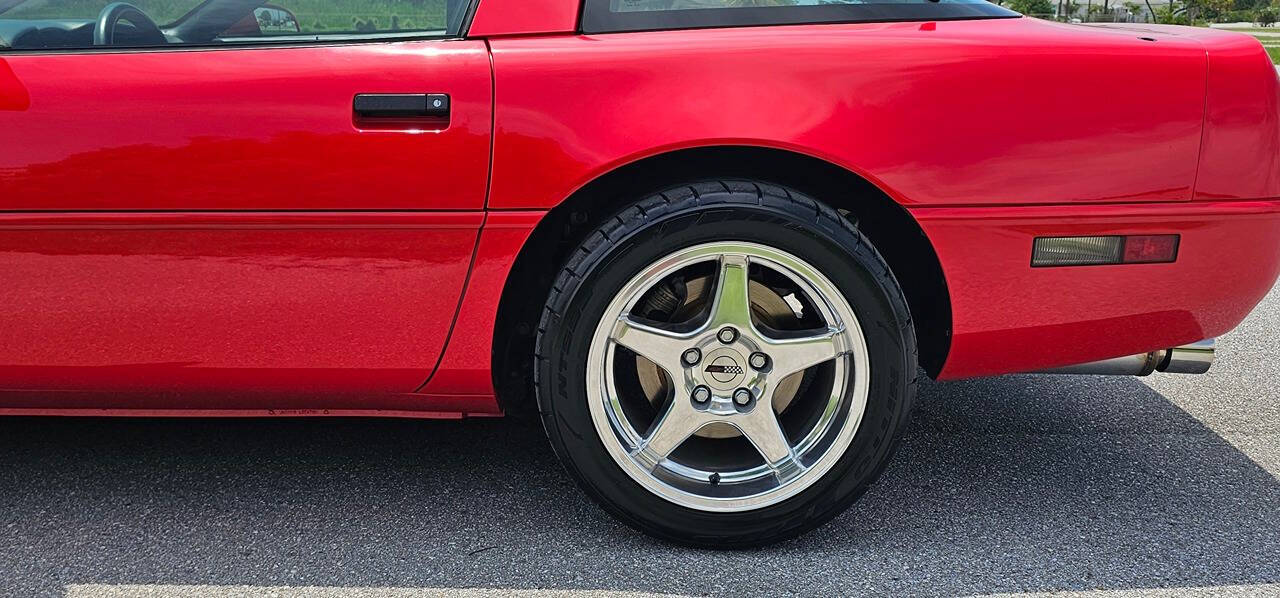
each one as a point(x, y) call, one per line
point(211, 591)
point(1215, 591)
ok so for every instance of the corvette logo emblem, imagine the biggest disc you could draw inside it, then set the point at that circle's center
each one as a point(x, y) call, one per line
point(724, 369)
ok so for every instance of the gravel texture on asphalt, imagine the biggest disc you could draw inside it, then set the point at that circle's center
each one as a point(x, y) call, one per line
point(1167, 485)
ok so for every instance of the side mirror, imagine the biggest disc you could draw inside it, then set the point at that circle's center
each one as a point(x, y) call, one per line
point(277, 20)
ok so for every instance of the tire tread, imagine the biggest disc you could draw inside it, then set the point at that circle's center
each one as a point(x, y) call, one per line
point(726, 192)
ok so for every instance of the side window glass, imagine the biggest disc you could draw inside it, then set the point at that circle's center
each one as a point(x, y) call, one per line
point(346, 18)
point(103, 24)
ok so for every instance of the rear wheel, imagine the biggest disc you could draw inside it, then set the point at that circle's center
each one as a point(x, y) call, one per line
point(725, 364)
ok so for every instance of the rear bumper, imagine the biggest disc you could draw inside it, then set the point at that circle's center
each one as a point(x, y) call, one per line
point(1008, 317)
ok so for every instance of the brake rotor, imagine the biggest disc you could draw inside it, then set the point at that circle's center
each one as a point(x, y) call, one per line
point(767, 307)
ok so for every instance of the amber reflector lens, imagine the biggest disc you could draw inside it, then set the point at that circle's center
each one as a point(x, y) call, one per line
point(1096, 251)
point(1150, 249)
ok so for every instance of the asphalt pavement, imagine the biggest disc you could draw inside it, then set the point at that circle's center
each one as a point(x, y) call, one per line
point(1163, 486)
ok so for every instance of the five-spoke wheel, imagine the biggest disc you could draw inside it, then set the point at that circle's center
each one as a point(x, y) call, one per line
point(725, 364)
point(721, 367)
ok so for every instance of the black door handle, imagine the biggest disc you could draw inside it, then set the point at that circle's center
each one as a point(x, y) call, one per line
point(391, 105)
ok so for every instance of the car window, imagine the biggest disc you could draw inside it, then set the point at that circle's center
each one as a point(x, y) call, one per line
point(164, 10)
point(602, 16)
point(104, 24)
point(345, 17)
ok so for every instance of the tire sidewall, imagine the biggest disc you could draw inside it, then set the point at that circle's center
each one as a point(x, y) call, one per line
point(842, 255)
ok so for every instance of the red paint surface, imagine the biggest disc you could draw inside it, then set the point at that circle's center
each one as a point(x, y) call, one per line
point(523, 17)
point(467, 364)
point(968, 113)
point(297, 302)
point(248, 129)
point(1240, 158)
point(203, 232)
point(1010, 317)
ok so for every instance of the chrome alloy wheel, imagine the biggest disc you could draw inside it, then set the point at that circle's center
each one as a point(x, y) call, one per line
point(725, 368)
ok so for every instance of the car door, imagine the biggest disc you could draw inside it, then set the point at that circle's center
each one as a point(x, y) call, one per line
point(231, 195)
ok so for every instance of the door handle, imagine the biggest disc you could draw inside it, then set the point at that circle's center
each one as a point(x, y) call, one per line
point(401, 105)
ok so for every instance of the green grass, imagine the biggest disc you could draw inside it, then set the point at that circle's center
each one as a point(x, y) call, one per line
point(1274, 52)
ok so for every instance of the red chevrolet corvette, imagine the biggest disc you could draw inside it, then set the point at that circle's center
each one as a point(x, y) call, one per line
point(711, 242)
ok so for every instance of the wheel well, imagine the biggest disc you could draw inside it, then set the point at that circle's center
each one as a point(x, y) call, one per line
point(893, 231)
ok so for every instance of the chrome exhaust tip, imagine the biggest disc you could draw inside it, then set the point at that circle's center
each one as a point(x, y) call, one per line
point(1195, 358)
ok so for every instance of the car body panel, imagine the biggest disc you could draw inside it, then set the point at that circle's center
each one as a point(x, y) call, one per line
point(466, 367)
point(1010, 317)
point(220, 220)
point(499, 18)
point(221, 302)
point(243, 129)
point(1240, 157)
point(1240, 151)
point(950, 113)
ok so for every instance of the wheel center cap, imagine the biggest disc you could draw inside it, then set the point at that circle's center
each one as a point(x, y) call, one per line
point(723, 369)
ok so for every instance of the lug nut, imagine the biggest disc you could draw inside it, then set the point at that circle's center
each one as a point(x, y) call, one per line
point(742, 397)
point(727, 334)
point(758, 360)
point(701, 394)
point(692, 357)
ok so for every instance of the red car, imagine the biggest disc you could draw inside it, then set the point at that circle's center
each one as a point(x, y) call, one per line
point(711, 242)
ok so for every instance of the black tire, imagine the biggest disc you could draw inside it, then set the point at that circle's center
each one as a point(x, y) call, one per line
point(686, 216)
